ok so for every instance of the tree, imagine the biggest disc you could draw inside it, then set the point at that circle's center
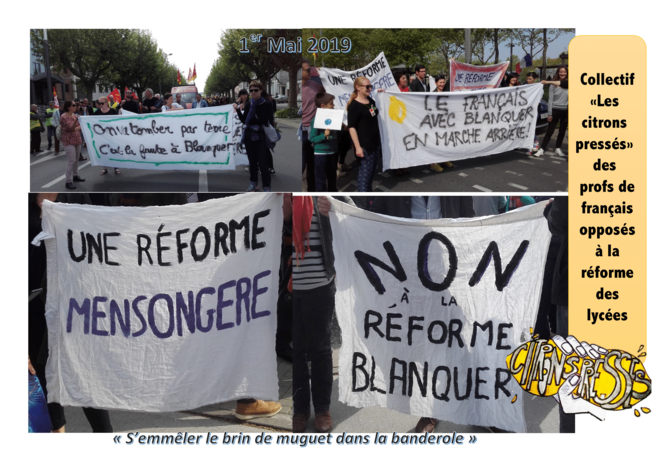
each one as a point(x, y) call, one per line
point(89, 53)
point(290, 62)
point(536, 40)
point(260, 63)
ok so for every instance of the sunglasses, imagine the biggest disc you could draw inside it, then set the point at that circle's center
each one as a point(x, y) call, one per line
point(367, 86)
point(255, 90)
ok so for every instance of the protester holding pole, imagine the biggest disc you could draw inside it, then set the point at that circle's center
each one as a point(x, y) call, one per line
point(364, 129)
point(559, 110)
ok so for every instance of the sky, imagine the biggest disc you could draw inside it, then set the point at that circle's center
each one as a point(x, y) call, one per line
point(199, 49)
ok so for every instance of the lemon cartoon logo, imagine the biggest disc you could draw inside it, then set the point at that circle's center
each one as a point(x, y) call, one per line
point(582, 377)
point(397, 110)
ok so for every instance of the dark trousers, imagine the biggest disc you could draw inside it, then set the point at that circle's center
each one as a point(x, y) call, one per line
point(325, 172)
point(313, 310)
point(308, 155)
point(98, 419)
point(567, 421)
point(52, 135)
point(344, 144)
point(559, 116)
point(283, 333)
point(258, 156)
point(35, 140)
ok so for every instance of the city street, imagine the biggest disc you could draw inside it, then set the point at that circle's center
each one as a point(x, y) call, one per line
point(47, 172)
point(509, 172)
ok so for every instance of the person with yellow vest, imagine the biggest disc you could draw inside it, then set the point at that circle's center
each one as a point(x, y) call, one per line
point(51, 127)
point(36, 128)
point(111, 102)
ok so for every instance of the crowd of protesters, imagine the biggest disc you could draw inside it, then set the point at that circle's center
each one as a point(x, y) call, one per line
point(68, 130)
point(313, 282)
point(321, 149)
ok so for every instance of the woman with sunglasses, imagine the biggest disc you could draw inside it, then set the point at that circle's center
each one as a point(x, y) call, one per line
point(72, 142)
point(255, 114)
point(103, 108)
point(363, 127)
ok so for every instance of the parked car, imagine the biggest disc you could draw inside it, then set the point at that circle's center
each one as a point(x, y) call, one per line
point(281, 99)
point(542, 117)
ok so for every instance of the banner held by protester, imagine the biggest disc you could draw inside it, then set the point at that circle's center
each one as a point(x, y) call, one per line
point(340, 83)
point(194, 139)
point(466, 77)
point(162, 308)
point(426, 128)
point(429, 311)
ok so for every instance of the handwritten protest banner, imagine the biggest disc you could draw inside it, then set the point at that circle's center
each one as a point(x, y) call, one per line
point(429, 311)
point(162, 308)
point(340, 83)
point(240, 154)
point(184, 140)
point(424, 128)
point(466, 77)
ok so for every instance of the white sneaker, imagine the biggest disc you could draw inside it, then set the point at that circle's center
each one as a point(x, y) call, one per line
point(559, 152)
point(539, 153)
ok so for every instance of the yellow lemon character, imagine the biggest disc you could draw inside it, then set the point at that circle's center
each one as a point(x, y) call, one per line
point(397, 110)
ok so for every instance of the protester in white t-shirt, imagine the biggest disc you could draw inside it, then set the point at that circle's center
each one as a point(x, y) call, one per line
point(170, 104)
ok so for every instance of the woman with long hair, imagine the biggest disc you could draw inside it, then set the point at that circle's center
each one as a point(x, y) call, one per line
point(255, 114)
point(72, 142)
point(559, 113)
point(363, 127)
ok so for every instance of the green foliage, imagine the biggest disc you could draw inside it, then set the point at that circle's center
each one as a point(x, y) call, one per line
point(107, 57)
point(291, 112)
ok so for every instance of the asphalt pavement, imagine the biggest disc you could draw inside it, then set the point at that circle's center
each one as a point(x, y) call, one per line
point(213, 418)
point(47, 172)
point(509, 172)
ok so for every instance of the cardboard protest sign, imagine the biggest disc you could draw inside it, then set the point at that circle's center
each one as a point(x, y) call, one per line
point(430, 310)
point(329, 119)
point(466, 77)
point(340, 83)
point(191, 139)
point(423, 128)
point(162, 308)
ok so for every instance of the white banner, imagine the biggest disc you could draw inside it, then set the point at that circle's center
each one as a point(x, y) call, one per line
point(340, 83)
point(240, 154)
point(423, 128)
point(194, 139)
point(429, 311)
point(466, 77)
point(162, 308)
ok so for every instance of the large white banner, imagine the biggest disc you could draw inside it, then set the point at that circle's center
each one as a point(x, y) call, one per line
point(429, 311)
point(466, 77)
point(424, 128)
point(340, 83)
point(162, 308)
point(240, 154)
point(193, 139)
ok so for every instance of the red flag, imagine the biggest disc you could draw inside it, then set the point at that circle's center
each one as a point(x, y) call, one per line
point(194, 73)
point(116, 95)
point(57, 103)
point(178, 77)
point(189, 75)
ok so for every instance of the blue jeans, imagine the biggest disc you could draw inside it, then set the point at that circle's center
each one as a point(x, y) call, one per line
point(367, 169)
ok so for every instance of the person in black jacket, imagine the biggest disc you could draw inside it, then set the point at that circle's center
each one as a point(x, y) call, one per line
point(256, 113)
point(419, 84)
